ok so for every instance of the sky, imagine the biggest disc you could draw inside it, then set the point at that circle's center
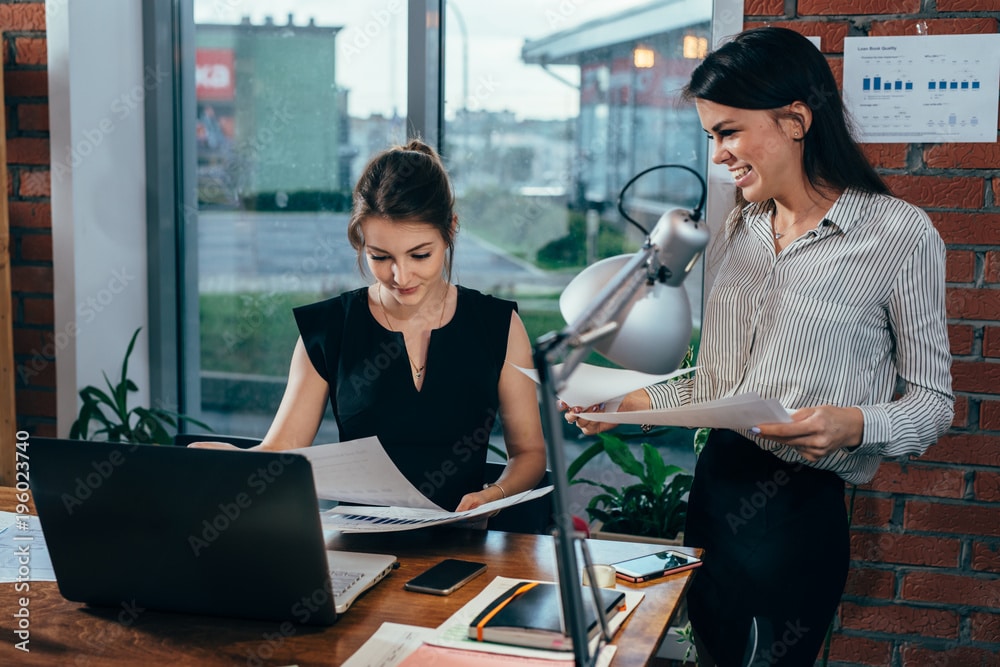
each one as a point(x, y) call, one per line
point(371, 48)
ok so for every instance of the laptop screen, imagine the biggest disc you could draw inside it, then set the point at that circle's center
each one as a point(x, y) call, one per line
point(193, 530)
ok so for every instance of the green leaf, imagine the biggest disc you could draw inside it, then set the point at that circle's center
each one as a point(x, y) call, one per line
point(622, 456)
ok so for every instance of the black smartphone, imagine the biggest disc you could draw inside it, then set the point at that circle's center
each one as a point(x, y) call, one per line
point(644, 568)
point(445, 577)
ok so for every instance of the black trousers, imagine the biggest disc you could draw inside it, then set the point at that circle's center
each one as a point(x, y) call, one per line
point(776, 554)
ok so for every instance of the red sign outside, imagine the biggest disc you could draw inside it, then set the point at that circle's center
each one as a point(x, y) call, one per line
point(214, 74)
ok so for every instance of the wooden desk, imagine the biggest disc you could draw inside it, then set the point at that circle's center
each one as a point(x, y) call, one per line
point(68, 633)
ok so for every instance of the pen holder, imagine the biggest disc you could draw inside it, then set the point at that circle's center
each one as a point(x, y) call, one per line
point(605, 575)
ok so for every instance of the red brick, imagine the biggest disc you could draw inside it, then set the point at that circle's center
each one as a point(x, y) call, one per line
point(36, 373)
point(985, 557)
point(872, 511)
point(962, 156)
point(886, 156)
point(961, 337)
point(36, 248)
point(934, 27)
point(938, 192)
point(36, 183)
point(35, 402)
point(32, 215)
point(991, 341)
point(985, 628)
point(869, 583)
point(989, 415)
point(970, 448)
point(764, 8)
point(841, 7)
point(968, 228)
point(986, 486)
point(900, 619)
point(982, 591)
point(966, 303)
point(23, 150)
point(967, 5)
point(920, 656)
point(837, 67)
point(32, 342)
point(882, 547)
point(996, 183)
point(976, 377)
point(961, 418)
point(23, 17)
point(31, 51)
point(860, 650)
point(921, 480)
point(33, 117)
point(31, 279)
point(37, 311)
point(991, 270)
point(831, 33)
point(961, 519)
point(960, 266)
point(26, 83)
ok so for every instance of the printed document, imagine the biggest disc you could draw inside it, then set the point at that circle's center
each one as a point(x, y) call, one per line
point(734, 412)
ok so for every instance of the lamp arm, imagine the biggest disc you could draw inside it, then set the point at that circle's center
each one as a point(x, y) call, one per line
point(667, 256)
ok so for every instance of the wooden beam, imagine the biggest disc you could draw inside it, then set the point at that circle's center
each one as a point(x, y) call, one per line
point(8, 415)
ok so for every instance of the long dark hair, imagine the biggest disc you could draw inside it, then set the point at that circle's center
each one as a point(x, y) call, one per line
point(404, 184)
point(770, 68)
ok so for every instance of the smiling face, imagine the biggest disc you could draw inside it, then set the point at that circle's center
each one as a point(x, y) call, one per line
point(758, 146)
point(406, 258)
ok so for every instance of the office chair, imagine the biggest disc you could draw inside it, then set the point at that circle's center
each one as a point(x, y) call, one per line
point(533, 516)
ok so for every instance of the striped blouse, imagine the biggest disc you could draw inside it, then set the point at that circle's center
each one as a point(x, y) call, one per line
point(852, 313)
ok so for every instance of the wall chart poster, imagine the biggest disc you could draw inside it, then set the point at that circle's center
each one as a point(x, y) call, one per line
point(923, 88)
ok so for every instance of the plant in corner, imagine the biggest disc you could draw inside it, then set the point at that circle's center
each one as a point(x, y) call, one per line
point(121, 423)
point(653, 507)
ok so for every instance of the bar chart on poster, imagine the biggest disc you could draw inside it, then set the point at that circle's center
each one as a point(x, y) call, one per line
point(923, 89)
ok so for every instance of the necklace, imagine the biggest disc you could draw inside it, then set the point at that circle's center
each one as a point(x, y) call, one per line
point(418, 371)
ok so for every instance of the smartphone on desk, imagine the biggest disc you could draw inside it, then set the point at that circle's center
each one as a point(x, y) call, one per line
point(660, 564)
point(445, 577)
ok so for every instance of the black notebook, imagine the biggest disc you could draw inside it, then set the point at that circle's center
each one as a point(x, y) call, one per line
point(530, 614)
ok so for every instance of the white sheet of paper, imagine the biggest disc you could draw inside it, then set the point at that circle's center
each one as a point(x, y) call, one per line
point(393, 519)
point(22, 544)
point(359, 471)
point(591, 385)
point(736, 412)
point(390, 645)
point(453, 633)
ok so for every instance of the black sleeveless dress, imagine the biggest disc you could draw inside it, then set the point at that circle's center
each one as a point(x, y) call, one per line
point(437, 436)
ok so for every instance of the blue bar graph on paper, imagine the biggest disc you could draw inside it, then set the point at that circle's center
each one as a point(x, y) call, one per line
point(949, 85)
point(877, 83)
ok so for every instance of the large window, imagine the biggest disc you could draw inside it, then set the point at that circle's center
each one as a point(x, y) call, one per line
point(548, 109)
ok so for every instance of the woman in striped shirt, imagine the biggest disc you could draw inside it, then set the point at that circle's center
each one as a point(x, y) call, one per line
point(830, 299)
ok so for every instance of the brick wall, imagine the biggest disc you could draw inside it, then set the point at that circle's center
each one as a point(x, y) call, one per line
point(28, 192)
point(924, 587)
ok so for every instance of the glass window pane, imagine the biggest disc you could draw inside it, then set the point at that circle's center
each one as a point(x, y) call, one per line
point(550, 109)
point(289, 109)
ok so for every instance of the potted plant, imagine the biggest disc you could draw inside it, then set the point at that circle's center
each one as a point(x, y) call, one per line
point(121, 423)
point(652, 510)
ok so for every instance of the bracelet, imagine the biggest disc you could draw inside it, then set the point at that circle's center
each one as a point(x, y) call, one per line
point(502, 492)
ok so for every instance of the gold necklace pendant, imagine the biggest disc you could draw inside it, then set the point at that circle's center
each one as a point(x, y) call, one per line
point(418, 371)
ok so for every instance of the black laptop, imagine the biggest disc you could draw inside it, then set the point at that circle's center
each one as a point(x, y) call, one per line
point(229, 533)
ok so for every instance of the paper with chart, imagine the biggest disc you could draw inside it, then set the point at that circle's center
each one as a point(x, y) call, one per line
point(23, 554)
point(923, 88)
point(354, 519)
point(592, 385)
point(734, 412)
point(359, 471)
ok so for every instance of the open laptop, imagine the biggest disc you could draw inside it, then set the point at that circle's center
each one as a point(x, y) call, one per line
point(192, 530)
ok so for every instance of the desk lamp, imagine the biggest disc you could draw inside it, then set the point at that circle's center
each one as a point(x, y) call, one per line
point(632, 309)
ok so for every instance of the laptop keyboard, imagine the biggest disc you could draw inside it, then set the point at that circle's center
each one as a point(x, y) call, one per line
point(341, 580)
